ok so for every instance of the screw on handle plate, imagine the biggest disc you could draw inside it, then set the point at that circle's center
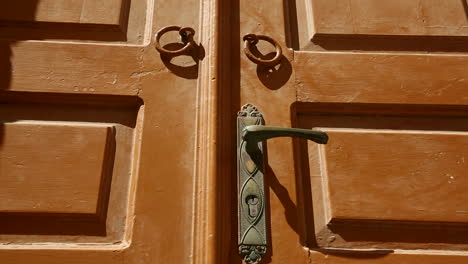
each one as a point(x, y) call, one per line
point(253, 233)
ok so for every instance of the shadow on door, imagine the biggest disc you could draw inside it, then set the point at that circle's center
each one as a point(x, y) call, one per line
point(10, 12)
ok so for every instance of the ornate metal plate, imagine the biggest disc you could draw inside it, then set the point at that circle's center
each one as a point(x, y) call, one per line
point(251, 198)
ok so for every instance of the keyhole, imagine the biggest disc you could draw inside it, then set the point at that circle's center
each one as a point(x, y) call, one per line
point(252, 202)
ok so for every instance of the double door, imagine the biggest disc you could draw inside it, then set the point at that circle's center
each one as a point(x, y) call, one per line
point(112, 152)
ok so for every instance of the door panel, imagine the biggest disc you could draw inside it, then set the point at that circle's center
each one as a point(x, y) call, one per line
point(369, 17)
point(375, 182)
point(110, 20)
point(386, 83)
point(81, 11)
point(401, 191)
point(89, 111)
point(428, 25)
point(96, 140)
point(381, 78)
point(60, 167)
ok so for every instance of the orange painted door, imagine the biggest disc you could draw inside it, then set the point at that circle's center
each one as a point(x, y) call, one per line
point(386, 80)
point(97, 135)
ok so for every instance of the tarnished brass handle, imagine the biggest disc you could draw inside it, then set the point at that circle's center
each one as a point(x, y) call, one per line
point(186, 35)
point(253, 230)
point(252, 39)
point(254, 134)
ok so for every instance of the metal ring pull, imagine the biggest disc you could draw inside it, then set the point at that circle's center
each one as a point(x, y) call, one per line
point(252, 39)
point(186, 35)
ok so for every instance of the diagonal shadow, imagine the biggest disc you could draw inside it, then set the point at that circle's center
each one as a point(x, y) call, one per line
point(26, 11)
point(465, 8)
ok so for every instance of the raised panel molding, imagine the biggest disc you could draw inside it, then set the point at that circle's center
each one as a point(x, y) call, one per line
point(84, 20)
point(398, 17)
point(427, 185)
point(391, 176)
point(381, 78)
point(49, 167)
point(107, 12)
point(369, 25)
point(66, 167)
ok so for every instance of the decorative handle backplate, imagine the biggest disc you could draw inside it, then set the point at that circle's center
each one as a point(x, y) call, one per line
point(186, 36)
point(253, 233)
point(252, 40)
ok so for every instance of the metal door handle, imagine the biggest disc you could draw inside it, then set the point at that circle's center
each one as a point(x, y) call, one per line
point(256, 133)
point(251, 133)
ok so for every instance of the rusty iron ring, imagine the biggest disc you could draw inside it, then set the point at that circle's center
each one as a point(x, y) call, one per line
point(252, 39)
point(186, 35)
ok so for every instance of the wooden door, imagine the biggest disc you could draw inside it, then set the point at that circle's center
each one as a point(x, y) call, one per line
point(97, 132)
point(386, 80)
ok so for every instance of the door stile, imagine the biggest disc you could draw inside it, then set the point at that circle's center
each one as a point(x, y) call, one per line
point(213, 148)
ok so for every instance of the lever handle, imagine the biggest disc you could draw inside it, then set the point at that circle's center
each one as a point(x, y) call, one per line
point(255, 133)
point(253, 231)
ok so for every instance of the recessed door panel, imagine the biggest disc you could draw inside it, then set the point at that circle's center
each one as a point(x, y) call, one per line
point(396, 175)
point(381, 78)
point(44, 170)
point(82, 88)
point(66, 169)
point(390, 177)
point(400, 17)
point(75, 20)
point(106, 12)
